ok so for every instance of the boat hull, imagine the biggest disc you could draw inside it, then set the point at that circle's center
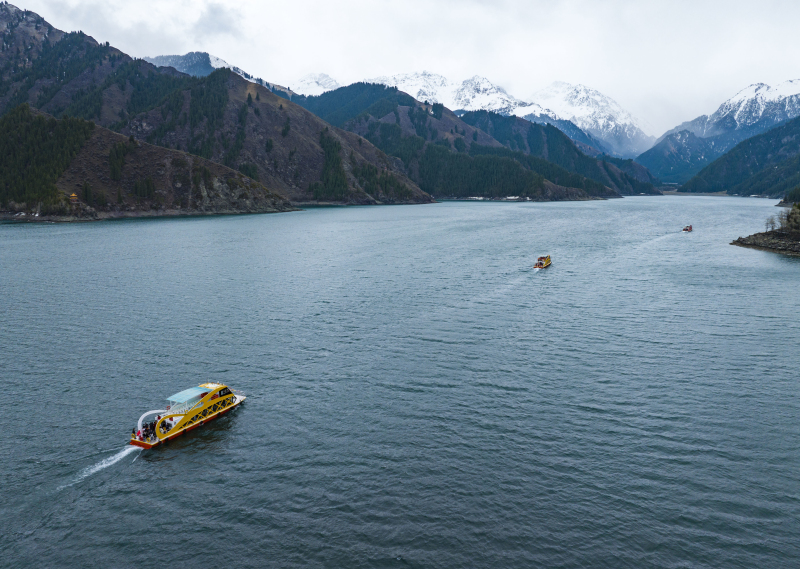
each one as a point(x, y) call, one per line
point(182, 431)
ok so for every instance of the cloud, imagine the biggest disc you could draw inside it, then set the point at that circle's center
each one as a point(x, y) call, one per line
point(666, 61)
point(217, 20)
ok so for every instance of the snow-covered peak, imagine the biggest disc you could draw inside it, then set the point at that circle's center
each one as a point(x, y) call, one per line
point(422, 86)
point(584, 106)
point(473, 94)
point(201, 64)
point(597, 114)
point(478, 93)
point(315, 84)
point(590, 110)
point(752, 103)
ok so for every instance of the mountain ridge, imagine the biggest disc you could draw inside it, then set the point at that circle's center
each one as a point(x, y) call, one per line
point(583, 114)
point(766, 164)
point(752, 111)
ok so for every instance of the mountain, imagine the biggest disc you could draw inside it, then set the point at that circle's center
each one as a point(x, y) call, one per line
point(195, 63)
point(44, 160)
point(587, 143)
point(597, 115)
point(429, 139)
point(585, 115)
point(752, 111)
point(202, 64)
point(767, 164)
point(240, 124)
point(473, 94)
point(222, 117)
point(678, 155)
point(549, 143)
point(314, 84)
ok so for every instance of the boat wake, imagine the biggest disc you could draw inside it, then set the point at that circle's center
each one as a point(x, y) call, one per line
point(105, 463)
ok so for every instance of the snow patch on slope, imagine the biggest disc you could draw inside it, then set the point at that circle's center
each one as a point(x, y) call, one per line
point(473, 94)
point(315, 84)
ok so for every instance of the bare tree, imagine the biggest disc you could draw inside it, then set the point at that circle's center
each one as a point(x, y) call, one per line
point(769, 225)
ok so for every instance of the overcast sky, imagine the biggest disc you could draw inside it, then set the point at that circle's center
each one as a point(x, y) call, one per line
point(666, 61)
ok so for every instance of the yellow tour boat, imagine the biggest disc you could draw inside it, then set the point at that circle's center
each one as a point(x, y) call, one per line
point(185, 411)
point(542, 262)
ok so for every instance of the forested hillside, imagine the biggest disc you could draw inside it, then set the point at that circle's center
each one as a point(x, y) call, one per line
point(767, 164)
point(44, 161)
point(34, 153)
point(446, 156)
point(221, 117)
point(549, 143)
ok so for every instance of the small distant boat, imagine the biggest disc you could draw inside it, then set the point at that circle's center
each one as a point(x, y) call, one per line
point(542, 262)
point(687, 229)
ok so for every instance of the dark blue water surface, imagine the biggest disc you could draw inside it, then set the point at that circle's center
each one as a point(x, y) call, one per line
point(418, 395)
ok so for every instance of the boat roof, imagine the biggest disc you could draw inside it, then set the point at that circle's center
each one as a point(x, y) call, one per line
point(186, 394)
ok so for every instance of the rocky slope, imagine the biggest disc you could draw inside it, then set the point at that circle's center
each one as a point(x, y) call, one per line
point(202, 64)
point(786, 242)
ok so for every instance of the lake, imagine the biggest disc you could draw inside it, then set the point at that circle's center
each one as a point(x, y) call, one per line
point(418, 395)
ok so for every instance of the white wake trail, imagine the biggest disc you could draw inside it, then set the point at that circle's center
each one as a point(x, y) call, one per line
point(105, 463)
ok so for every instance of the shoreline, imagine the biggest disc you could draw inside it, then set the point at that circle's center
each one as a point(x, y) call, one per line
point(679, 193)
point(783, 242)
point(26, 217)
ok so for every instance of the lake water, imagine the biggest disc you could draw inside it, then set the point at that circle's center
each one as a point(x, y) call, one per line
point(418, 395)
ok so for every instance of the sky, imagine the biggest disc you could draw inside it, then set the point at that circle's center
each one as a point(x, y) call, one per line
point(665, 61)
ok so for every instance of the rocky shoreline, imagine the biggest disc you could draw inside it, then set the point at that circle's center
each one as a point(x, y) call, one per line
point(90, 214)
point(778, 241)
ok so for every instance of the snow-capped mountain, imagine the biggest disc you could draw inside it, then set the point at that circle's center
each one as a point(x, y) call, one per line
point(201, 64)
point(473, 94)
point(758, 106)
point(601, 118)
point(314, 84)
point(751, 111)
point(597, 114)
